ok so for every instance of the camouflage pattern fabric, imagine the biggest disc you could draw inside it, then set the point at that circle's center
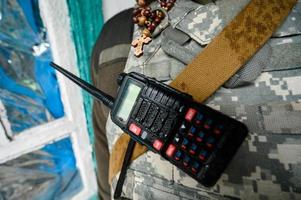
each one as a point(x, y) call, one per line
point(268, 164)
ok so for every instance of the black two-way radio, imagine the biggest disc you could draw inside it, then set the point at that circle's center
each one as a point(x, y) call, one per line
point(194, 137)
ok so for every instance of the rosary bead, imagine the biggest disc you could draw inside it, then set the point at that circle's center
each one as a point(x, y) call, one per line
point(135, 20)
point(163, 4)
point(141, 20)
point(160, 14)
point(169, 5)
point(141, 3)
point(151, 27)
point(148, 23)
point(154, 24)
point(148, 20)
point(145, 13)
point(157, 20)
point(146, 32)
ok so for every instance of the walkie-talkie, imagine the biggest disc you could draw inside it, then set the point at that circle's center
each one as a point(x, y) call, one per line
point(194, 137)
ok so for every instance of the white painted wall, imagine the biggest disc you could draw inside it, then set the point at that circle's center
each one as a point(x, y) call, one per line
point(112, 7)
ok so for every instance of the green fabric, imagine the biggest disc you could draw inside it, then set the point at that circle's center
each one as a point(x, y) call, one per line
point(86, 22)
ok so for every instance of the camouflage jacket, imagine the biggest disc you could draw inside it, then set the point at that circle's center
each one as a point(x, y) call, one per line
point(267, 99)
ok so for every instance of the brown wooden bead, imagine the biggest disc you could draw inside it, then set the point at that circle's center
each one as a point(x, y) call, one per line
point(141, 3)
point(157, 20)
point(152, 15)
point(146, 32)
point(145, 13)
point(162, 4)
point(169, 5)
point(135, 20)
point(160, 14)
point(147, 23)
point(151, 27)
point(141, 20)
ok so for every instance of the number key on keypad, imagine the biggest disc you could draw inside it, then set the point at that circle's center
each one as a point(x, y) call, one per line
point(178, 155)
point(193, 149)
point(195, 167)
point(210, 142)
point(203, 155)
point(185, 143)
point(200, 136)
point(208, 123)
point(186, 161)
point(198, 119)
point(192, 131)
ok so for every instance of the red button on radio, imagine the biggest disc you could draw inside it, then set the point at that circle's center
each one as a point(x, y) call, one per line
point(170, 150)
point(157, 144)
point(135, 129)
point(190, 114)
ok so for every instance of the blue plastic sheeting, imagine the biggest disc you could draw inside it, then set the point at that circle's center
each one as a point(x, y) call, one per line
point(30, 94)
point(24, 65)
point(22, 112)
point(42, 174)
point(29, 11)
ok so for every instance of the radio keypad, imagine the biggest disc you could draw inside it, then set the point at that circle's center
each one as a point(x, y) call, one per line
point(194, 143)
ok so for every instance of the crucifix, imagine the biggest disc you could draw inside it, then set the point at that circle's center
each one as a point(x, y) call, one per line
point(138, 44)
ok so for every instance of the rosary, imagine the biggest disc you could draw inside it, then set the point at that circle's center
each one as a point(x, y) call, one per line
point(148, 19)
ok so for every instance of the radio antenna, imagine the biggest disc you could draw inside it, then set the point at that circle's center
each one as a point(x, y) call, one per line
point(98, 94)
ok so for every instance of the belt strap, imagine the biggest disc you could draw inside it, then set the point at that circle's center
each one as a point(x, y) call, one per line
point(125, 164)
point(229, 51)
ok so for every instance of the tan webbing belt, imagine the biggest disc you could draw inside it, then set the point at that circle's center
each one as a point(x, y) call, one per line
point(230, 50)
